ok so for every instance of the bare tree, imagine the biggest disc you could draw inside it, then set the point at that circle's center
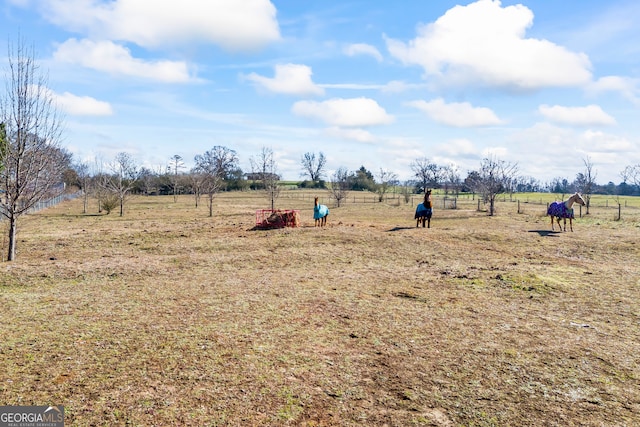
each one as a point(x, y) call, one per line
point(32, 162)
point(427, 174)
point(84, 179)
point(148, 180)
point(265, 168)
point(451, 177)
point(586, 181)
point(340, 185)
point(492, 179)
point(313, 167)
point(631, 173)
point(386, 180)
point(175, 165)
point(214, 166)
point(123, 177)
point(197, 181)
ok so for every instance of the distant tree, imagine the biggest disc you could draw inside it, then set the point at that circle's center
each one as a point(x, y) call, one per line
point(149, 181)
point(340, 185)
point(586, 181)
point(70, 177)
point(362, 180)
point(451, 179)
point(121, 178)
point(406, 190)
point(84, 181)
point(175, 165)
point(31, 160)
point(386, 179)
point(313, 184)
point(197, 180)
point(214, 165)
point(631, 174)
point(235, 180)
point(559, 185)
point(313, 167)
point(264, 167)
point(470, 182)
point(527, 184)
point(427, 174)
point(493, 178)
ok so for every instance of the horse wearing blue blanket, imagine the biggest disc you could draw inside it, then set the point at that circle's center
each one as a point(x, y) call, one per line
point(424, 211)
point(564, 210)
point(320, 213)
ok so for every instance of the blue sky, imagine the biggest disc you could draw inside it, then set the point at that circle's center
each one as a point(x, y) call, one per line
point(541, 83)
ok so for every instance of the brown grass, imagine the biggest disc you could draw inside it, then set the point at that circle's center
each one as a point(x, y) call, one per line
point(167, 317)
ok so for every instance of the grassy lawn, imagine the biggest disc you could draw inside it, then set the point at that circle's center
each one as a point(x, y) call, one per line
point(168, 317)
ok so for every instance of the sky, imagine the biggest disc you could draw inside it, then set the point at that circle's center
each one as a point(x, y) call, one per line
point(543, 84)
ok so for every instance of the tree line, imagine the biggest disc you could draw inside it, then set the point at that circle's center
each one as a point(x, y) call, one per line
point(34, 166)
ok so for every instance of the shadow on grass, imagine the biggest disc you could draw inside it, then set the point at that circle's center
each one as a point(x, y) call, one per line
point(545, 233)
point(400, 228)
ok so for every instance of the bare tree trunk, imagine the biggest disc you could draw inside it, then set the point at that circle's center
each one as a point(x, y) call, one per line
point(11, 255)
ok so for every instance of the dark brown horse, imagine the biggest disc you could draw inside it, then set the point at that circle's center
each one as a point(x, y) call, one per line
point(424, 211)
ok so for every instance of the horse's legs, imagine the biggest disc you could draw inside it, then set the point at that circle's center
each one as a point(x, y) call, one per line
point(551, 222)
point(565, 223)
point(428, 222)
point(571, 223)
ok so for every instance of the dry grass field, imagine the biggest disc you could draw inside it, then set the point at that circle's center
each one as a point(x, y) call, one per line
point(165, 317)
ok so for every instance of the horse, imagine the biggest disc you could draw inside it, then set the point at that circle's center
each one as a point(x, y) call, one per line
point(320, 213)
point(564, 210)
point(424, 211)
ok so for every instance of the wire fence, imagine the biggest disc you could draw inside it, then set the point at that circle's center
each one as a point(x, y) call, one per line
point(599, 208)
point(44, 204)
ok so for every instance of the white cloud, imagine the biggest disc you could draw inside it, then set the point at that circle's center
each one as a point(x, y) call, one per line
point(82, 105)
point(595, 141)
point(547, 151)
point(397, 86)
point(115, 59)
point(458, 114)
point(591, 115)
point(290, 79)
point(363, 49)
point(497, 152)
point(340, 112)
point(627, 87)
point(484, 43)
point(358, 135)
point(231, 24)
point(458, 148)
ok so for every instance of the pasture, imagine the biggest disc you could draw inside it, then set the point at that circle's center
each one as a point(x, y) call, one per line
point(168, 317)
